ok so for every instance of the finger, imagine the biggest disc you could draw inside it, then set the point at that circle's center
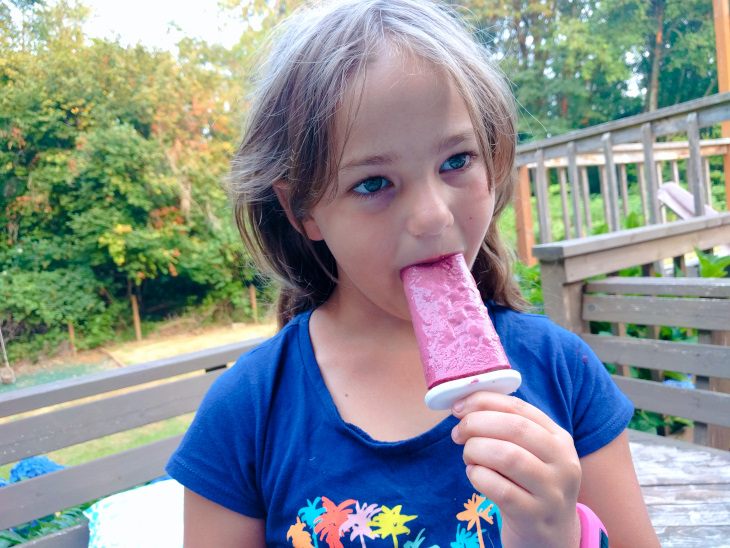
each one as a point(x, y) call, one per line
point(512, 428)
point(510, 498)
point(493, 401)
point(510, 461)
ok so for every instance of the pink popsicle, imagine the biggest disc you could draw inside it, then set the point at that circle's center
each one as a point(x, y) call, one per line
point(456, 338)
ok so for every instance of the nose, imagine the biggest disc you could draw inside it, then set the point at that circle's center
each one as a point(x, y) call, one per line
point(429, 211)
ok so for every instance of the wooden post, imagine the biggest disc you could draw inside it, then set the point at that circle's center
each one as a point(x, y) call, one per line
point(574, 178)
point(694, 165)
point(721, 12)
point(586, 197)
point(650, 173)
point(718, 436)
point(542, 194)
point(611, 185)
point(135, 315)
point(254, 304)
point(522, 205)
point(624, 181)
point(72, 337)
point(564, 202)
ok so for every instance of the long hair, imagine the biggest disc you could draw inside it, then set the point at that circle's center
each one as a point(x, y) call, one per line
point(315, 55)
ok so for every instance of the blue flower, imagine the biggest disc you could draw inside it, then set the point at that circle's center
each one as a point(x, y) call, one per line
point(32, 467)
point(679, 384)
point(4, 482)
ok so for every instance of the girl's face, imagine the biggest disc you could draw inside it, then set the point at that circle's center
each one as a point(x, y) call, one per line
point(411, 185)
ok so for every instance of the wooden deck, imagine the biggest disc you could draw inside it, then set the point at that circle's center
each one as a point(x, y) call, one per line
point(686, 488)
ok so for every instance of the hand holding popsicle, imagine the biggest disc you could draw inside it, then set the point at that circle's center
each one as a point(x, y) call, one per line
point(459, 348)
point(524, 463)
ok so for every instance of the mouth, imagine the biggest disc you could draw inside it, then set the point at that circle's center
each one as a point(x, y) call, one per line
point(431, 261)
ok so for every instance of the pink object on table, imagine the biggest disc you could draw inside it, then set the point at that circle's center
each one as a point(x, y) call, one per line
point(458, 345)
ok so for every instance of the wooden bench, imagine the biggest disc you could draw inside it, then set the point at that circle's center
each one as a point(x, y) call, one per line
point(94, 406)
point(575, 295)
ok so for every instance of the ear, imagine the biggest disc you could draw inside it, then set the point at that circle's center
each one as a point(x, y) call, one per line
point(311, 229)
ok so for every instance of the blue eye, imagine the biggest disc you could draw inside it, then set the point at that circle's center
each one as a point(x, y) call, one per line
point(371, 185)
point(457, 161)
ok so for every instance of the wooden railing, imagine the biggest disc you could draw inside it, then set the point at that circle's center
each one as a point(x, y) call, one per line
point(94, 406)
point(575, 294)
point(608, 145)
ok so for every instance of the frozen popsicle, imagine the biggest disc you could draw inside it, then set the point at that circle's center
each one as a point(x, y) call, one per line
point(459, 348)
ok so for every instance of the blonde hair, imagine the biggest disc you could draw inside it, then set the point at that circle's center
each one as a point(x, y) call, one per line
point(314, 55)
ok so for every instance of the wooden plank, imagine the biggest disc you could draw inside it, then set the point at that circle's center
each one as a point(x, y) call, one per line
point(659, 183)
point(680, 287)
point(575, 192)
point(614, 223)
point(562, 301)
point(642, 193)
point(624, 187)
point(675, 171)
point(696, 359)
point(647, 138)
point(706, 536)
point(38, 434)
point(586, 198)
point(698, 313)
point(603, 262)
point(72, 537)
point(522, 204)
point(717, 436)
point(690, 513)
point(543, 207)
point(694, 165)
point(564, 203)
point(35, 397)
point(44, 495)
point(602, 242)
point(699, 405)
point(677, 477)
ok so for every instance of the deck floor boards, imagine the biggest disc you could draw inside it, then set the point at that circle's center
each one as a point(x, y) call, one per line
point(686, 488)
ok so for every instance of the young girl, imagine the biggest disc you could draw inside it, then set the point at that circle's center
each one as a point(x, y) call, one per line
point(381, 137)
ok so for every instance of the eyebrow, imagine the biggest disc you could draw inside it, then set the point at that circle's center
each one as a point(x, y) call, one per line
point(389, 159)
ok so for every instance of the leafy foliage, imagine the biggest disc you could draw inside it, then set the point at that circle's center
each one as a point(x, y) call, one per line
point(111, 161)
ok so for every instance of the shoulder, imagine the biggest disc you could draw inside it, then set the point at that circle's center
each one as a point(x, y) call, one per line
point(536, 331)
point(252, 377)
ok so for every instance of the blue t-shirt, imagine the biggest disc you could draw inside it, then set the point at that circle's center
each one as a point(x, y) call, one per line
point(268, 442)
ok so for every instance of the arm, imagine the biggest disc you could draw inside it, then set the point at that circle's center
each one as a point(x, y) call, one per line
point(610, 488)
point(210, 524)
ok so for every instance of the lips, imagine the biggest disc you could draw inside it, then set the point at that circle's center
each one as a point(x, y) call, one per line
point(431, 261)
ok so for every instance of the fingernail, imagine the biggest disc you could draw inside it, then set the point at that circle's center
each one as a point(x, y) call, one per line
point(468, 468)
point(458, 406)
point(455, 433)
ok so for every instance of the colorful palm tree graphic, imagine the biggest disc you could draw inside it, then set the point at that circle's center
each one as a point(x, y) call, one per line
point(465, 539)
point(416, 542)
point(328, 524)
point(472, 514)
point(310, 513)
point(358, 522)
point(298, 536)
point(492, 510)
point(391, 522)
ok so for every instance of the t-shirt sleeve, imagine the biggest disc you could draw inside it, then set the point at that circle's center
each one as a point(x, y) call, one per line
point(218, 457)
point(600, 410)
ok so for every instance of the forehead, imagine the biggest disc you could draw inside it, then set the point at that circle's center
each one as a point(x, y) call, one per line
point(399, 97)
